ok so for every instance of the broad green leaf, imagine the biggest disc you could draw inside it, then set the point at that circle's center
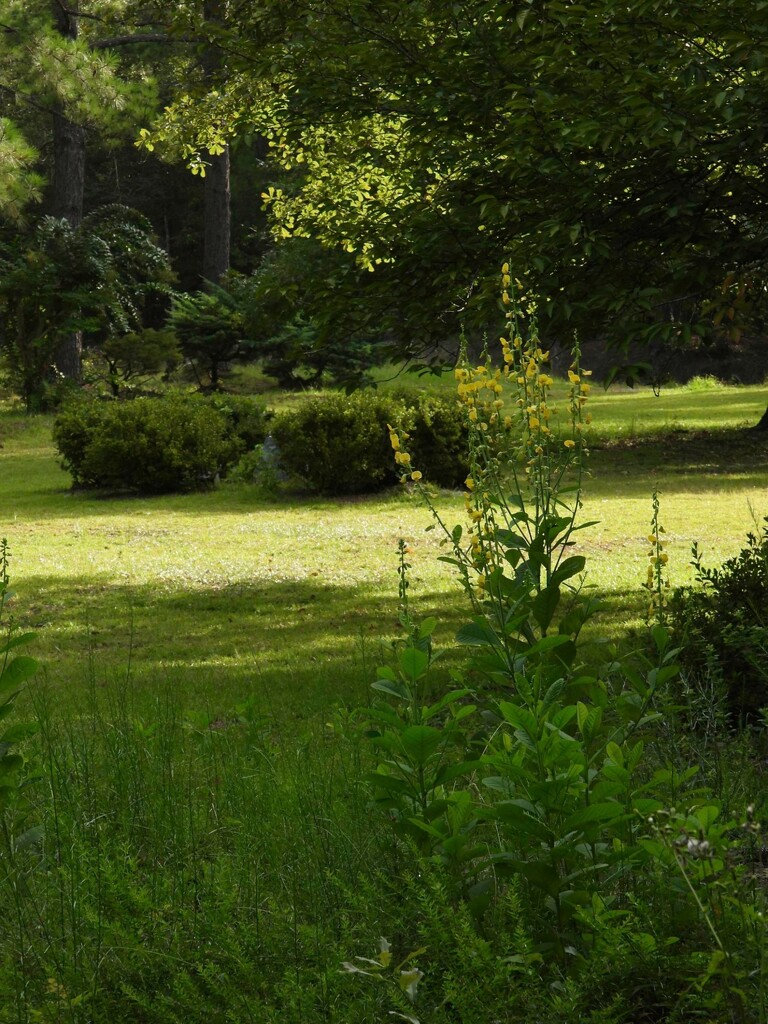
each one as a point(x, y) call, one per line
point(396, 689)
point(413, 663)
point(17, 672)
point(477, 633)
point(19, 732)
point(615, 753)
point(568, 568)
point(606, 813)
point(420, 742)
point(427, 628)
point(544, 605)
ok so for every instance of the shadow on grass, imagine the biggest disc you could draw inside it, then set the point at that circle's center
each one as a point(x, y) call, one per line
point(294, 647)
point(295, 650)
point(701, 460)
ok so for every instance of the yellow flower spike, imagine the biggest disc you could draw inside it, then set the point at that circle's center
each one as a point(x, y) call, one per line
point(569, 443)
point(416, 475)
point(394, 440)
point(533, 423)
point(508, 422)
point(498, 404)
point(505, 268)
point(473, 415)
point(505, 297)
point(574, 378)
point(585, 389)
point(651, 538)
point(469, 483)
point(506, 280)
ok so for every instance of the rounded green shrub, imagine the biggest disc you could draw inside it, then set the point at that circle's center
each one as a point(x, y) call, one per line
point(438, 442)
point(339, 444)
point(722, 627)
point(148, 445)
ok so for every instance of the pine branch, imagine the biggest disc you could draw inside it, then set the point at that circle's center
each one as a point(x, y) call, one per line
point(139, 37)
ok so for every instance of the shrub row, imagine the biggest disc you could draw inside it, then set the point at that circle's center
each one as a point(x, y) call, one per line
point(337, 444)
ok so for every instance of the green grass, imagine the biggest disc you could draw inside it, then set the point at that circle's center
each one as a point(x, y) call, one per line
point(209, 851)
point(233, 593)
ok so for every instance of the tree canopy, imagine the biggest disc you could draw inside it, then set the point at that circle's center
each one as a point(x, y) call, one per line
point(614, 153)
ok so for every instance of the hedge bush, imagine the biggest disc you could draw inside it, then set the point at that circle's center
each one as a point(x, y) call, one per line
point(438, 442)
point(148, 445)
point(339, 444)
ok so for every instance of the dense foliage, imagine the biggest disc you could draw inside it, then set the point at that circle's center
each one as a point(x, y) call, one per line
point(338, 444)
point(722, 626)
point(148, 445)
point(614, 153)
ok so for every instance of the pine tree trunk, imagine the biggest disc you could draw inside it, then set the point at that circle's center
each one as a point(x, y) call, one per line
point(68, 189)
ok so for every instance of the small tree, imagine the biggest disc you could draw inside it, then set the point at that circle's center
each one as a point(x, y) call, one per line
point(131, 360)
point(95, 278)
point(48, 289)
point(210, 327)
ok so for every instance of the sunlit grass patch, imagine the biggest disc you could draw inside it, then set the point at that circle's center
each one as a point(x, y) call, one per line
point(232, 592)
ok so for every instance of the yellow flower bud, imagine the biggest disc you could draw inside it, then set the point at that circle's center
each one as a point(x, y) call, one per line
point(416, 475)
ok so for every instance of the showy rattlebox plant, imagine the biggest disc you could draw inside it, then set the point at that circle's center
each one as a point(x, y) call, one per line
point(557, 764)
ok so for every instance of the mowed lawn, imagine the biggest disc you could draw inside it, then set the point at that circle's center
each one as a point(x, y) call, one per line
point(232, 595)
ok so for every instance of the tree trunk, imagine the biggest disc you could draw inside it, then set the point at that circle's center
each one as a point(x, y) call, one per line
point(68, 169)
point(68, 189)
point(216, 229)
point(216, 211)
